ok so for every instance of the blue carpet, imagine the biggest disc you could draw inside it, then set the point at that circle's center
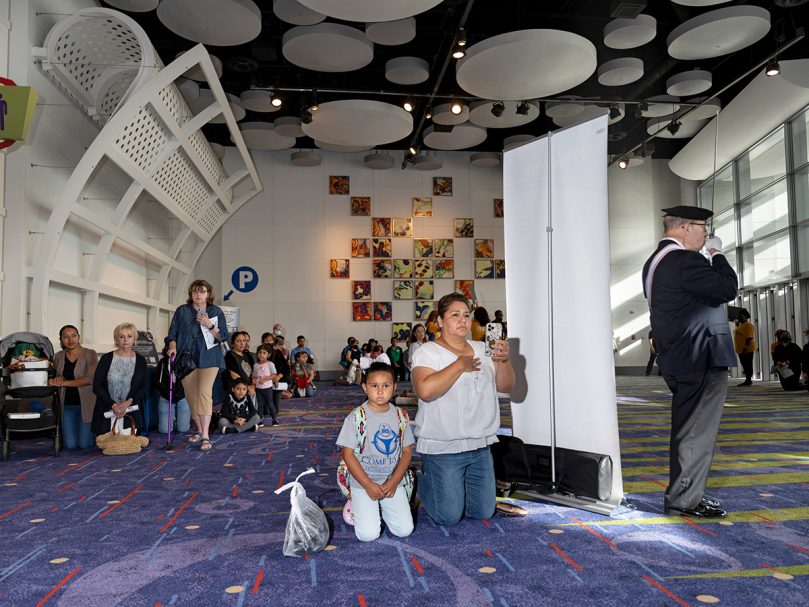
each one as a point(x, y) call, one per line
point(197, 529)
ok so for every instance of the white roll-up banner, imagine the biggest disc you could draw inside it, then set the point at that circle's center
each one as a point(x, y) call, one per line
point(556, 233)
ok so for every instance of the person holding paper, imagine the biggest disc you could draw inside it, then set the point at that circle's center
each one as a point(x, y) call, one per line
point(687, 294)
point(199, 328)
point(787, 356)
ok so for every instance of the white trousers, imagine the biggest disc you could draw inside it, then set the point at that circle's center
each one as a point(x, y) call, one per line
point(395, 512)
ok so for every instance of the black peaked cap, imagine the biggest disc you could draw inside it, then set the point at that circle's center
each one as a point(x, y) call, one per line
point(687, 212)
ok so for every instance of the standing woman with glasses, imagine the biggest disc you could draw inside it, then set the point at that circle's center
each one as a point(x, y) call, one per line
point(198, 327)
point(458, 416)
point(75, 367)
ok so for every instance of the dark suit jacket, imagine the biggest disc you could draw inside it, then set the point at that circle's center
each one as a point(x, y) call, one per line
point(688, 316)
point(104, 402)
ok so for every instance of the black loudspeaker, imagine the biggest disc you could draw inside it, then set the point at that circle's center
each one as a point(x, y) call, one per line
point(578, 473)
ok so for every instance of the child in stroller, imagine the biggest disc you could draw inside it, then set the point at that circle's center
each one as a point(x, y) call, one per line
point(28, 404)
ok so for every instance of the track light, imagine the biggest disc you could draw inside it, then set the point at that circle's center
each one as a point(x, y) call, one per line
point(772, 69)
point(429, 113)
point(498, 107)
point(461, 37)
point(408, 105)
point(623, 163)
point(306, 116)
point(276, 101)
point(673, 127)
point(413, 150)
point(459, 52)
point(640, 108)
point(313, 106)
point(456, 107)
point(615, 111)
point(523, 107)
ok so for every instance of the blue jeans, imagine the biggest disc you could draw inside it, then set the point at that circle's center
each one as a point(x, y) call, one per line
point(75, 433)
point(455, 485)
point(180, 411)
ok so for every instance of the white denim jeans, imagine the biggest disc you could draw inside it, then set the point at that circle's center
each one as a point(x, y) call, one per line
point(395, 512)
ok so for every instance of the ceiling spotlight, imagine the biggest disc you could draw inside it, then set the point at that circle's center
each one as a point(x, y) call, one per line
point(461, 37)
point(523, 107)
point(413, 150)
point(498, 107)
point(623, 163)
point(640, 108)
point(673, 127)
point(306, 116)
point(459, 52)
point(313, 106)
point(408, 105)
point(615, 111)
point(429, 113)
point(276, 101)
point(772, 69)
point(456, 107)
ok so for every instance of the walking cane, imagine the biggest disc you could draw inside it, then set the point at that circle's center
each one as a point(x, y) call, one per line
point(169, 446)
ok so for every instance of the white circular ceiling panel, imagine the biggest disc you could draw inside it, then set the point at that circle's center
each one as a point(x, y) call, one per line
point(461, 136)
point(214, 22)
point(427, 162)
point(661, 105)
point(563, 109)
point(514, 140)
point(407, 70)
point(590, 111)
point(359, 122)
point(379, 162)
point(258, 100)
point(442, 114)
point(619, 72)
point(391, 33)
point(483, 160)
point(189, 89)
point(707, 110)
point(481, 114)
point(526, 64)
point(292, 11)
point(718, 32)
point(370, 11)
point(327, 47)
point(630, 33)
point(333, 147)
point(692, 82)
point(196, 73)
point(306, 158)
point(288, 126)
point(206, 98)
point(699, 2)
point(134, 6)
point(262, 136)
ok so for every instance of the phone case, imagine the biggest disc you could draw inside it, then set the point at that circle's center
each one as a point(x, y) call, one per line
point(494, 331)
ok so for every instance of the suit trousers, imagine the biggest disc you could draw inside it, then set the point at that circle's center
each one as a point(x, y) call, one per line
point(696, 411)
point(746, 358)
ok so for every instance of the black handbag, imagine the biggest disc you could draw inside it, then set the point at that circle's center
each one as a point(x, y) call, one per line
point(184, 361)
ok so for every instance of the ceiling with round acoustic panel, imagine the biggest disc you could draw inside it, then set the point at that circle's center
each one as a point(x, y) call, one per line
point(206, 98)
point(619, 72)
point(484, 160)
point(563, 109)
point(134, 6)
point(196, 73)
point(262, 136)
point(661, 105)
point(370, 10)
point(442, 114)
point(295, 13)
point(391, 33)
point(359, 122)
point(407, 70)
point(214, 22)
point(700, 3)
point(427, 162)
point(718, 32)
point(306, 158)
point(589, 111)
point(707, 109)
point(526, 64)
point(692, 82)
point(505, 114)
point(459, 137)
point(515, 140)
point(333, 147)
point(379, 162)
point(630, 33)
point(258, 100)
point(288, 126)
point(327, 47)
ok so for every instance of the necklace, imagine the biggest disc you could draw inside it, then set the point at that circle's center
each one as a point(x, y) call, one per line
point(455, 350)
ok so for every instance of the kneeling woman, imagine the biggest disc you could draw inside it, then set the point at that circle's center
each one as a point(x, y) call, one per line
point(458, 416)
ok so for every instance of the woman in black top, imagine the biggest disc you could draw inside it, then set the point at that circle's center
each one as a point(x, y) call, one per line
point(239, 363)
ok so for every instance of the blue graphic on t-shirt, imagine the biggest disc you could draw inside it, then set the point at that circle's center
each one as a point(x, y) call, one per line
point(386, 440)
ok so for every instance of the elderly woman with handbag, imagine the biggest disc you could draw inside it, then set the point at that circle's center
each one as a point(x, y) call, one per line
point(195, 336)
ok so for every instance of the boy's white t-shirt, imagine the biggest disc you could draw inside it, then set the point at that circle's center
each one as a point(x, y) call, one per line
point(381, 452)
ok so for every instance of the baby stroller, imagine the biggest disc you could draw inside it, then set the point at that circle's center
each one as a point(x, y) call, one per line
point(27, 403)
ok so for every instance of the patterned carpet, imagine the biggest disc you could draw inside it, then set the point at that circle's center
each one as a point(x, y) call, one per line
point(198, 529)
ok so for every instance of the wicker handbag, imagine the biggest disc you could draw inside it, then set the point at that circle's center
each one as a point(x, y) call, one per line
point(115, 443)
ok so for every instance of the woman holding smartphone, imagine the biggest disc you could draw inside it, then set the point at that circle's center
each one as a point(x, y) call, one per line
point(187, 333)
point(458, 416)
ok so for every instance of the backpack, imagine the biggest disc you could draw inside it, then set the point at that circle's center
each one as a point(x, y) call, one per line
point(344, 477)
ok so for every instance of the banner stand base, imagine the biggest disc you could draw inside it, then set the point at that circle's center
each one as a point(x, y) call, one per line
point(596, 506)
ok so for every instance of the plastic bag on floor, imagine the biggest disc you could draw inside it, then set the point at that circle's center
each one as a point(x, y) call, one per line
point(307, 529)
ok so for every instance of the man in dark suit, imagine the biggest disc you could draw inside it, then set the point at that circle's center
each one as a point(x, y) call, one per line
point(686, 294)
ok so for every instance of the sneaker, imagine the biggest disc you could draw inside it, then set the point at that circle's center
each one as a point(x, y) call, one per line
point(348, 514)
point(260, 425)
point(275, 422)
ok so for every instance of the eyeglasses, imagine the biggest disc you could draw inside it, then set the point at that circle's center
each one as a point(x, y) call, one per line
point(704, 226)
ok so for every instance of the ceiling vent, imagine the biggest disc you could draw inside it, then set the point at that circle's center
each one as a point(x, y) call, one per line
point(626, 9)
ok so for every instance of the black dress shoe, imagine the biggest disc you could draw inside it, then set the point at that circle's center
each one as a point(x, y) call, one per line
point(712, 502)
point(746, 383)
point(703, 510)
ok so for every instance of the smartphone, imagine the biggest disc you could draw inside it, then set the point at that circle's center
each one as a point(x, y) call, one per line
point(494, 331)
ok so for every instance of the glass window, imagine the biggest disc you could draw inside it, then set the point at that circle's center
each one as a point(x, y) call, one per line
point(724, 226)
point(763, 164)
point(764, 213)
point(803, 248)
point(767, 260)
point(800, 140)
point(722, 195)
point(802, 194)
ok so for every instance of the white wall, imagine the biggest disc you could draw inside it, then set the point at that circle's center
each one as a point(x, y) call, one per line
point(636, 197)
point(290, 231)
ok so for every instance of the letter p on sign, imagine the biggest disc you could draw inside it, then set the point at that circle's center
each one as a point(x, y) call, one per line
point(244, 279)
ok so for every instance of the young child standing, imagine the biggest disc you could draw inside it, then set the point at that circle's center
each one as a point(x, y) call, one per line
point(266, 377)
point(378, 466)
point(238, 412)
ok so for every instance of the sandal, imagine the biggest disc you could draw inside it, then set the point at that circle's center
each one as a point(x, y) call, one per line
point(206, 444)
point(194, 438)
